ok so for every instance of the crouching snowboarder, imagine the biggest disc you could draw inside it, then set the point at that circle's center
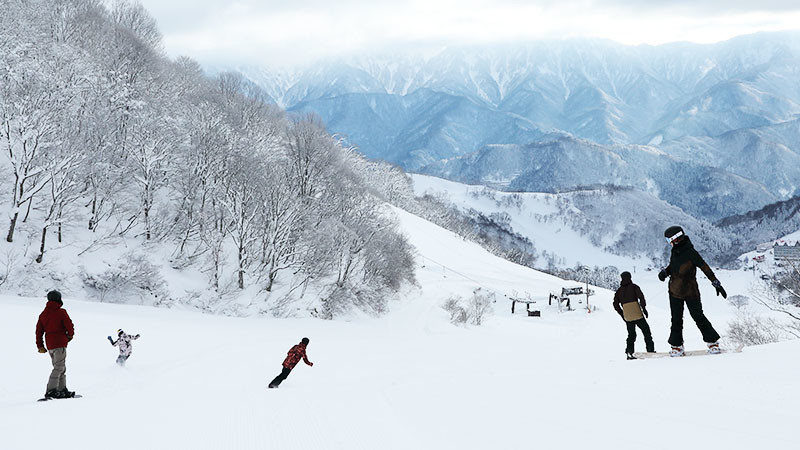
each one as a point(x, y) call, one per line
point(294, 356)
point(630, 304)
point(682, 272)
point(124, 343)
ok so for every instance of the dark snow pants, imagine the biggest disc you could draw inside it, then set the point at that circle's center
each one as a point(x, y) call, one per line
point(696, 311)
point(648, 337)
point(282, 376)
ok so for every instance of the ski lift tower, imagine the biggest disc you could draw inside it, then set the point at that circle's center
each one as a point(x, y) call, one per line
point(586, 279)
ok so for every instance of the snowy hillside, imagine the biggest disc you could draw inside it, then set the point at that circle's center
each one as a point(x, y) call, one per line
point(409, 380)
point(129, 176)
point(767, 155)
point(191, 210)
point(693, 183)
point(597, 227)
point(766, 224)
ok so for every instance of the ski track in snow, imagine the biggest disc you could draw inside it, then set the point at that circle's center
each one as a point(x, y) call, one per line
point(408, 380)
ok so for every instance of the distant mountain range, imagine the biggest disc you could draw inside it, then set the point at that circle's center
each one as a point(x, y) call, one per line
point(713, 129)
point(560, 163)
point(764, 225)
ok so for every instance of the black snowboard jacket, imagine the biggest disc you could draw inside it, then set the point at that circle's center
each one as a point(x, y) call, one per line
point(682, 271)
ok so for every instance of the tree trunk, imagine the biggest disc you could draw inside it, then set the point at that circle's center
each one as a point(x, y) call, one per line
point(343, 273)
point(241, 268)
point(10, 236)
point(28, 211)
point(216, 272)
point(147, 222)
point(41, 248)
point(270, 281)
point(92, 220)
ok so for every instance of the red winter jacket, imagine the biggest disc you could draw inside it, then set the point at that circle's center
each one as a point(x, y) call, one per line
point(54, 323)
point(294, 356)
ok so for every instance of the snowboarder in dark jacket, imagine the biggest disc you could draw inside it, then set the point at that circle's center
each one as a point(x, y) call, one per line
point(682, 272)
point(293, 357)
point(630, 304)
point(125, 347)
point(55, 326)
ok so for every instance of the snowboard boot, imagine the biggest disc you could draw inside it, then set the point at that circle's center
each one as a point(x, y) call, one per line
point(677, 351)
point(273, 386)
point(713, 348)
point(64, 393)
point(630, 356)
point(52, 393)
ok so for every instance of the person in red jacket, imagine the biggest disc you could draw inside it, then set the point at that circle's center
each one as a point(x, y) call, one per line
point(294, 356)
point(56, 327)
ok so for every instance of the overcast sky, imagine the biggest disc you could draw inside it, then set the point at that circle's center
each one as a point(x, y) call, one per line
point(290, 32)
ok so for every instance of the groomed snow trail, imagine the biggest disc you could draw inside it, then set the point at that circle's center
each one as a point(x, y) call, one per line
point(409, 380)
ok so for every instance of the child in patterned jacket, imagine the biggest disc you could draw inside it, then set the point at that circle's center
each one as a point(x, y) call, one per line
point(124, 343)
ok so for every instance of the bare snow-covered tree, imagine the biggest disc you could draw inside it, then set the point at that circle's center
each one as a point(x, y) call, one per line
point(152, 142)
point(241, 201)
point(311, 151)
point(93, 114)
point(29, 117)
point(281, 213)
point(781, 294)
point(63, 190)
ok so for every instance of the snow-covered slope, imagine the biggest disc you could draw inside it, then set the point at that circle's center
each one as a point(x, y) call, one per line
point(409, 380)
point(559, 162)
point(766, 224)
point(598, 227)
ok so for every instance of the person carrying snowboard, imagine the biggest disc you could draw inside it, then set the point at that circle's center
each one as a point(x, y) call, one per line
point(682, 272)
point(630, 304)
point(55, 326)
point(294, 356)
point(124, 343)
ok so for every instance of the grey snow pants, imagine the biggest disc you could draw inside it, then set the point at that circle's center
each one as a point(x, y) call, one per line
point(58, 377)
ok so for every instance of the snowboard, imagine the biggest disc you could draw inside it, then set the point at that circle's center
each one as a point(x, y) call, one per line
point(45, 399)
point(643, 355)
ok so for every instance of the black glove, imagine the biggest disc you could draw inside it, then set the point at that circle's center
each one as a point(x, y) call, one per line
point(720, 290)
point(110, 340)
point(644, 310)
point(662, 275)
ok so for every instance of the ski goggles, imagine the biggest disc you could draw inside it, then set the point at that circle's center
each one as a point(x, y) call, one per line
point(674, 237)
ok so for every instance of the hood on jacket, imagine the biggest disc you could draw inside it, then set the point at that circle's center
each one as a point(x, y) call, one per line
point(53, 305)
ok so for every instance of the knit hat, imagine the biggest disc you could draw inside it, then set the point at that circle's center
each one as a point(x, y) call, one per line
point(305, 341)
point(54, 296)
point(626, 276)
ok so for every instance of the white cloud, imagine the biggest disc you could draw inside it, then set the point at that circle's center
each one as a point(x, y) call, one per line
point(279, 32)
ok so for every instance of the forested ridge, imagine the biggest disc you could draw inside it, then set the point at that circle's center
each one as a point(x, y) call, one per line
point(105, 136)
